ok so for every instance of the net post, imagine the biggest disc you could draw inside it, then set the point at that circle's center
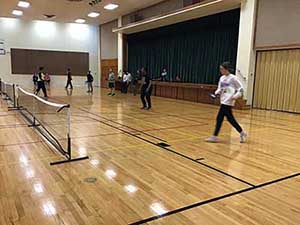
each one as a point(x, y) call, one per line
point(69, 148)
point(14, 95)
point(14, 98)
point(5, 92)
point(17, 97)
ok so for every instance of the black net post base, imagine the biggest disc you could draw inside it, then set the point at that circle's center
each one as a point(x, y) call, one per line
point(11, 108)
point(69, 160)
point(68, 155)
point(34, 123)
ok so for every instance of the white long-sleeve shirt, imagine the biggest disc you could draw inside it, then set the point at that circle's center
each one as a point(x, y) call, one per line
point(229, 88)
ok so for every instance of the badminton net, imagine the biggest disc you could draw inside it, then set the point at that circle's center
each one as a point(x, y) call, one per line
point(52, 120)
point(8, 91)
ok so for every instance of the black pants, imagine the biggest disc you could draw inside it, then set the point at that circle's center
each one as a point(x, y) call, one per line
point(69, 83)
point(41, 85)
point(134, 89)
point(146, 94)
point(226, 110)
point(163, 78)
point(124, 87)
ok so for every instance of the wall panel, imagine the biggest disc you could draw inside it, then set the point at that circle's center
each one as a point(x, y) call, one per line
point(278, 24)
point(277, 83)
point(27, 61)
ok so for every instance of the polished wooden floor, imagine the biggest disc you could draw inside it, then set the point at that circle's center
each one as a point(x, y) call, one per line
point(139, 182)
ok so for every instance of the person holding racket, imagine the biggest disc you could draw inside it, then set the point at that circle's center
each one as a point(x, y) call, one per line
point(229, 89)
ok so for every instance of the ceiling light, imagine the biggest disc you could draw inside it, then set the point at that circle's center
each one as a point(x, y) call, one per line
point(80, 21)
point(111, 6)
point(17, 12)
point(93, 14)
point(23, 4)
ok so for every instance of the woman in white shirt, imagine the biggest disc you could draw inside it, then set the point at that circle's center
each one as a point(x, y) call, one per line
point(229, 89)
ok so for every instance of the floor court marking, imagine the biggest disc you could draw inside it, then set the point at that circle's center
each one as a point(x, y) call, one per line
point(215, 199)
point(200, 159)
point(200, 124)
point(179, 154)
point(112, 121)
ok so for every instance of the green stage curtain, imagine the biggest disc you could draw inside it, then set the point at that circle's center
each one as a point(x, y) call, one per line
point(193, 49)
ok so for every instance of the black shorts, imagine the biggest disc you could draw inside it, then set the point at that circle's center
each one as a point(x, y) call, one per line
point(111, 85)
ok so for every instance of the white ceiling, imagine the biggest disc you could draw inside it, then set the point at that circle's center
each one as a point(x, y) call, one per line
point(68, 11)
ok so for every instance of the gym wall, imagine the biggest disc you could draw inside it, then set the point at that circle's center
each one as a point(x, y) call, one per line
point(109, 40)
point(109, 50)
point(278, 24)
point(154, 10)
point(44, 35)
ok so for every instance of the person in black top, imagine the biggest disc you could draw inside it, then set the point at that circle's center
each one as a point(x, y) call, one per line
point(146, 89)
point(135, 80)
point(41, 82)
point(69, 79)
point(89, 81)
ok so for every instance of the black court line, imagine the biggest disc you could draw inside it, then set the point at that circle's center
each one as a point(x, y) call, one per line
point(200, 159)
point(112, 121)
point(215, 199)
point(175, 152)
point(210, 167)
point(159, 144)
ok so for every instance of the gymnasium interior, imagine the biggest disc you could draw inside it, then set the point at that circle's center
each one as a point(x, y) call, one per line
point(113, 112)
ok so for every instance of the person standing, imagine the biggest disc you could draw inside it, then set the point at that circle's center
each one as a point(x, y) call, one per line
point(111, 82)
point(229, 89)
point(124, 82)
point(35, 80)
point(41, 82)
point(164, 74)
point(146, 89)
point(128, 82)
point(135, 79)
point(90, 80)
point(69, 79)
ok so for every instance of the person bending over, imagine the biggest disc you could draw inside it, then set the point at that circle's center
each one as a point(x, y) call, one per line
point(229, 89)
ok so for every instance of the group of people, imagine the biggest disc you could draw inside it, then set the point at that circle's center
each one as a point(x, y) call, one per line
point(128, 80)
point(229, 90)
point(41, 79)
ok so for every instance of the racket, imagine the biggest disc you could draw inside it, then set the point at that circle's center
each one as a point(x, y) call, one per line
point(212, 96)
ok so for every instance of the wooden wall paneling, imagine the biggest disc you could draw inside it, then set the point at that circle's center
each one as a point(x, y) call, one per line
point(157, 90)
point(174, 92)
point(190, 94)
point(106, 64)
point(180, 93)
